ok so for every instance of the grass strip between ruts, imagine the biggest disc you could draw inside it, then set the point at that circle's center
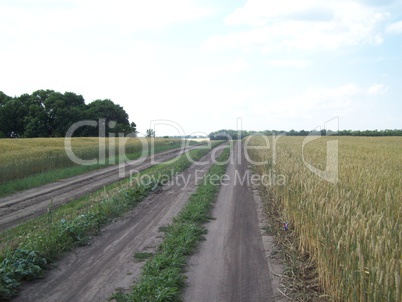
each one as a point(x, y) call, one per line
point(163, 277)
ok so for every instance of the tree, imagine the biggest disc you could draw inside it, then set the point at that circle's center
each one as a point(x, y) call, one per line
point(133, 127)
point(47, 113)
point(150, 133)
point(12, 114)
point(3, 114)
point(63, 110)
point(226, 134)
point(110, 112)
point(36, 122)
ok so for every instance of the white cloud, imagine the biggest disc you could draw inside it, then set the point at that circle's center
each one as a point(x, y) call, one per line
point(236, 66)
point(261, 12)
point(313, 101)
point(153, 14)
point(122, 15)
point(317, 105)
point(290, 63)
point(85, 46)
point(377, 89)
point(133, 53)
point(395, 28)
point(310, 25)
point(96, 75)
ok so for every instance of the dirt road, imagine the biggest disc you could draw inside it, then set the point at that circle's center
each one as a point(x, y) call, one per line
point(231, 265)
point(92, 273)
point(28, 204)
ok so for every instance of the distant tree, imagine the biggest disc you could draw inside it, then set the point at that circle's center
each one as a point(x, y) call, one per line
point(47, 113)
point(3, 114)
point(36, 123)
point(52, 113)
point(234, 134)
point(150, 133)
point(63, 110)
point(226, 134)
point(12, 114)
point(106, 109)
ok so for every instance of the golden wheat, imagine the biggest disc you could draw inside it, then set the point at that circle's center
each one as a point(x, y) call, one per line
point(351, 229)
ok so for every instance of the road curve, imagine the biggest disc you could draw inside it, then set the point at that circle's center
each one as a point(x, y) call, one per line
point(31, 203)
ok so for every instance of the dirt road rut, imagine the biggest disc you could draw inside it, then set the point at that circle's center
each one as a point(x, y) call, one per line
point(231, 265)
point(92, 273)
point(28, 204)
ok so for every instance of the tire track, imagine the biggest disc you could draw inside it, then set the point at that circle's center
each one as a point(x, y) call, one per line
point(31, 203)
point(94, 272)
point(231, 264)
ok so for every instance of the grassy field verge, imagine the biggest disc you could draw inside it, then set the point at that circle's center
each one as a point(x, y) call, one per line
point(344, 239)
point(26, 250)
point(163, 275)
point(29, 163)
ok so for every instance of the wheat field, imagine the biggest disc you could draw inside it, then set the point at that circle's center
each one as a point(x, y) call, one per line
point(352, 228)
point(20, 158)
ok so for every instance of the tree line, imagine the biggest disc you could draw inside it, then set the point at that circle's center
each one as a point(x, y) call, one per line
point(235, 134)
point(47, 113)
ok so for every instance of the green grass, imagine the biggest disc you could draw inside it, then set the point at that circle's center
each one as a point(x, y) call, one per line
point(53, 175)
point(26, 250)
point(141, 256)
point(163, 277)
point(163, 229)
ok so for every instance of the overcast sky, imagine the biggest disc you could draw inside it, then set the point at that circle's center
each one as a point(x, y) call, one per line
point(204, 64)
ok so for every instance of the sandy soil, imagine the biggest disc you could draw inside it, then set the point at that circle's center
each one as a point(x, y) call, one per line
point(232, 264)
point(92, 273)
point(25, 205)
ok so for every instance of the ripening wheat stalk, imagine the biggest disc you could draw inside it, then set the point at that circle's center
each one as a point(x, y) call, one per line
point(352, 228)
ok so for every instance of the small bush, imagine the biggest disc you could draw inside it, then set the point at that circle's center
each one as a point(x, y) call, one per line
point(21, 265)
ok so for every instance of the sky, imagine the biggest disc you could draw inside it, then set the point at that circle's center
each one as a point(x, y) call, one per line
point(188, 67)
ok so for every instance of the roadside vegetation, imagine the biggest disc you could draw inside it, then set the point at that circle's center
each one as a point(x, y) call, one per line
point(343, 241)
point(27, 250)
point(163, 277)
point(29, 163)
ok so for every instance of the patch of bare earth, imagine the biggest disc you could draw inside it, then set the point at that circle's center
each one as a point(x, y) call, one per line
point(233, 263)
